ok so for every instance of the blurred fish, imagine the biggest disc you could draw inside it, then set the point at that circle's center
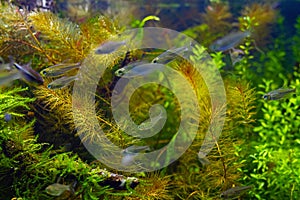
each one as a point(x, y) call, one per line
point(149, 123)
point(278, 94)
point(203, 159)
point(62, 82)
point(109, 47)
point(6, 66)
point(236, 56)
point(131, 152)
point(7, 77)
point(59, 69)
point(234, 192)
point(136, 149)
point(137, 69)
point(229, 41)
point(170, 55)
point(27, 72)
point(122, 71)
point(58, 189)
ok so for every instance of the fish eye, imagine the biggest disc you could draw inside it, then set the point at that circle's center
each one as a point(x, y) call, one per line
point(49, 86)
point(265, 97)
point(119, 72)
point(44, 72)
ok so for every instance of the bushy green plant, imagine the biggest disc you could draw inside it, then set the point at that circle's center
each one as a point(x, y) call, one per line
point(273, 164)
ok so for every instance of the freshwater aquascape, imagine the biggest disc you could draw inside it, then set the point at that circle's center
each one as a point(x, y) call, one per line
point(48, 48)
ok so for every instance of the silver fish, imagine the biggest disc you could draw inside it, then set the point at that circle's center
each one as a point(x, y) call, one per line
point(122, 71)
point(236, 55)
point(136, 149)
point(109, 47)
point(58, 189)
point(131, 152)
point(234, 192)
point(6, 66)
point(62, 82)
point(138, 69)
point(149, 123)
point(59, 69)
point(27, 72)
point(278, 94)
point(203, 159)
point(229, 41)
point(170, 55)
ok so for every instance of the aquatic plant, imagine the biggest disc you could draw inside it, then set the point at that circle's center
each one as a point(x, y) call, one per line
point(16, 134)
point(273, 155)
point(217, 17)
point(258, 145)
point(156, 186)
point(216, 22)
point(261, 15)
point(296, 41)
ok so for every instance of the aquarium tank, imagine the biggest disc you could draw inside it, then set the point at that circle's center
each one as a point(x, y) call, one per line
point(161, 99)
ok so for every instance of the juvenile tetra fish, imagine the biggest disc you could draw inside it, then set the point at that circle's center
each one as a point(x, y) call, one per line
point(131, 152)
point(27, 72)
point(229, 41)
point(59, 69)
point(149, 123)
point(122, 71)
point(203, 159)
point(170, 55)
point(5, 66)
point(58, 189)
point(138, 69)
point(136, 149)
point(62, 82)
point(278, 94)
point(234, 192)
point(109, 47)
point(236, 55)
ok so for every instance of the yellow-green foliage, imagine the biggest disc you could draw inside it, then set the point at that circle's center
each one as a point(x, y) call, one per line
point(15, 136)
point(203, 182)
point(53, 40)
point(16, 36)
point(262, 15)
point(241, 100)
point(12, 103)
point(61, 38)
point(156, 186)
